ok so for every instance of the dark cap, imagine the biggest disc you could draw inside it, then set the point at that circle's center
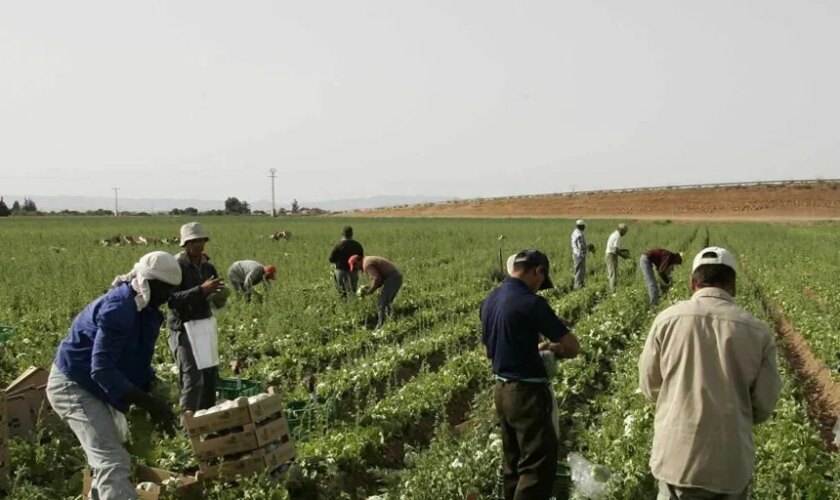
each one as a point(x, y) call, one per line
point(534, 256)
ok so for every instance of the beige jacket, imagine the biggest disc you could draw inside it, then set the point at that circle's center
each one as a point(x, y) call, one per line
point(710, 367)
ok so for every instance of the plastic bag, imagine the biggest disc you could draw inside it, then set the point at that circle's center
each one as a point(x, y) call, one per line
point(837, 432)
point(590, 480)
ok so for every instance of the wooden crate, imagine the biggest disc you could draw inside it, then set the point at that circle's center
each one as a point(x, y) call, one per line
point(261, 461)
point(251, 437)
point(189, 487)
point(238, 416)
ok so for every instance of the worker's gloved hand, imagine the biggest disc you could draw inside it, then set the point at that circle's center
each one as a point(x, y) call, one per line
point(590, 247)
point(624, 253)
point(159, 411)
point(362, 291)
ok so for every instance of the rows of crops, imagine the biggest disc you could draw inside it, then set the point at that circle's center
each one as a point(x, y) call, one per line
point(410, 404)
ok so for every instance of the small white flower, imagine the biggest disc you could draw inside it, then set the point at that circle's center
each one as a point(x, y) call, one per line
point(456, 464)
point(628, 424)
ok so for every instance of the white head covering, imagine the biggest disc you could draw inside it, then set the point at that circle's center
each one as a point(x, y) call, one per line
point(152, 266)
point(510, 264)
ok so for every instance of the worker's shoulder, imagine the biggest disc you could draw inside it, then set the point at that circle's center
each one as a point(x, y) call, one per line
point(719, 309)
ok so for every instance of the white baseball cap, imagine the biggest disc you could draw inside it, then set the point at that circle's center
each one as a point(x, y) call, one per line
point(580, 222)
point(714, 255)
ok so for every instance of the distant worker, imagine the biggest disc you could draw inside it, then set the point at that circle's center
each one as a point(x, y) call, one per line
point(346, 280)
point(104, 365)
point(579, 250)
point(192, 327)
point(243, 275)
point(614, 251)
point(710, 368)
point(663, 261)
point(513, 317)
point(385, 275)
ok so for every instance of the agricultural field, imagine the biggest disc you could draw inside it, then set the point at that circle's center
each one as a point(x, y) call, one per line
point(406, 410)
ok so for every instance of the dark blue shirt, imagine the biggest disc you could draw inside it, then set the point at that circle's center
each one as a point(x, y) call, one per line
point(110, 345)
point(512, 318)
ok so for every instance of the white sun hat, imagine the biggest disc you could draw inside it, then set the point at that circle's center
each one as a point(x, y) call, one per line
point(714, 255)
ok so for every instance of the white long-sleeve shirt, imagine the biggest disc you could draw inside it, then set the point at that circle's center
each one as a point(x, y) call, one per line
point(614, 243)
point(578, 243)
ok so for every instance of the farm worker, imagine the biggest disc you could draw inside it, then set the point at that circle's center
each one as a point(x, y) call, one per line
point(385, 275)
point(579, 250)
point(710, 367)
point(192, 329)
point(614, 251)
point(663, 261)
point(104, 365)
point(513, 317)
point(346, 280)
point(243, 275)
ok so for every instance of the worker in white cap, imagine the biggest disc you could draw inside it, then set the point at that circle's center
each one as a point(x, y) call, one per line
point(614, 251)
point(579, 250)
point(104, 365)
point(193, 338)
point(710, 368)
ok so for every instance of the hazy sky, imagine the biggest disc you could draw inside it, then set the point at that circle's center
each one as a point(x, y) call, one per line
point(198, 99)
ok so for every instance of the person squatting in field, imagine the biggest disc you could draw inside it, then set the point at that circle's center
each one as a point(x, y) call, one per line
point(513, 317)
point(346, 280)
point(710, 368)
point(192, 327)
point(243, 275)
point(662, 261)
point(104, 365)
point(384, 274)
point(614, 251)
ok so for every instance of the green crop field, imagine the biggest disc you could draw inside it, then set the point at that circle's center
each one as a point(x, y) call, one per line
point(408, 409)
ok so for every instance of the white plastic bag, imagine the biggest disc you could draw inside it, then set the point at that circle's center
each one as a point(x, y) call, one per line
point(590, 480)
point(204, 341)
point(837, 432)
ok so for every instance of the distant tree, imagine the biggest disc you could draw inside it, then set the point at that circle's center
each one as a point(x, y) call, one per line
point(246, 208)
point(16, 210)
point(190, 211)
point(234, 206)
point(295, 206)
point(4, 210)
point(29, 205)
point(176, 211)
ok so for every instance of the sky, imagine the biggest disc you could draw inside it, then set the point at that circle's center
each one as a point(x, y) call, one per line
point(474, 98)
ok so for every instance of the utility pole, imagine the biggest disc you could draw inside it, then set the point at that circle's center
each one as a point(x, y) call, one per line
point(116, 202)
point(272, 177)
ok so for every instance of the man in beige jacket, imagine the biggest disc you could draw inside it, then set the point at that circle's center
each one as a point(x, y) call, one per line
point(710, 367)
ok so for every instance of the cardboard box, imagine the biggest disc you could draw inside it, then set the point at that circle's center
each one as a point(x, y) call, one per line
point(251, 437)
point(239, 416)
point(5, 466)
point(189, 487)
point(33, 376)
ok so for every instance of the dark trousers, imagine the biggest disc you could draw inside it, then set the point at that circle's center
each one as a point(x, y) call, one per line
point(198, 387)
point(346, 282)
point(389, 291)
point(530, 446)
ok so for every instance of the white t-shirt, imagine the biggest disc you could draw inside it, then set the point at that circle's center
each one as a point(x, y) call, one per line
point(614, 243)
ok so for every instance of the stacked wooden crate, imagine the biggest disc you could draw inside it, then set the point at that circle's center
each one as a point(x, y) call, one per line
point(4, 446)
point(249, 435)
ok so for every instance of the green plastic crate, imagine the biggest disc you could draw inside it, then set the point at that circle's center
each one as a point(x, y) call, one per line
point(6, 332)
point(231, 388)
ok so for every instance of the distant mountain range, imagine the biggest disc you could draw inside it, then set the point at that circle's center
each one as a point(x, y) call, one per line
point(83, 203)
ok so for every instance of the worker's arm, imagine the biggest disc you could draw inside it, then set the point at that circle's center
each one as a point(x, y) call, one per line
point(253, 278)
point(334, 255)
point(650, 373)
point(562, 342)
point(768, 384)
point(115, 322)
point(374, 273)
point(196, 295)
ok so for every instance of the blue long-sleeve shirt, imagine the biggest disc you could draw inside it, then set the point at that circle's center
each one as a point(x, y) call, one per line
point(110, 345)
point(512, 318)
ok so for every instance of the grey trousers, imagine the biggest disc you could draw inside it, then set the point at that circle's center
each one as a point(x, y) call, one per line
point(93, 424)
point(669, 492)
point(346, 282)
point(580, 270)
point(650, 279)
point(612, 269)
point(198, 387)
point(389, 291)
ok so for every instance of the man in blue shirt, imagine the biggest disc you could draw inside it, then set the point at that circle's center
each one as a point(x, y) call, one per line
point(513, 318)
point(105, 364)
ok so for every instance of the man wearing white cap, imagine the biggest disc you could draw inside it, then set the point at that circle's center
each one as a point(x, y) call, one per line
point(192, 328)
point(579, 250)
point(710, 367)
point(614, 251)
point(104, 365)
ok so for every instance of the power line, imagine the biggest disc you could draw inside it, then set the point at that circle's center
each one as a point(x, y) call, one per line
point(272, 177)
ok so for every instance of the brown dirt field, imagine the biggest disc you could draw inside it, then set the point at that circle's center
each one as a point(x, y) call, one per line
point(790, 202)
point(822, 393)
